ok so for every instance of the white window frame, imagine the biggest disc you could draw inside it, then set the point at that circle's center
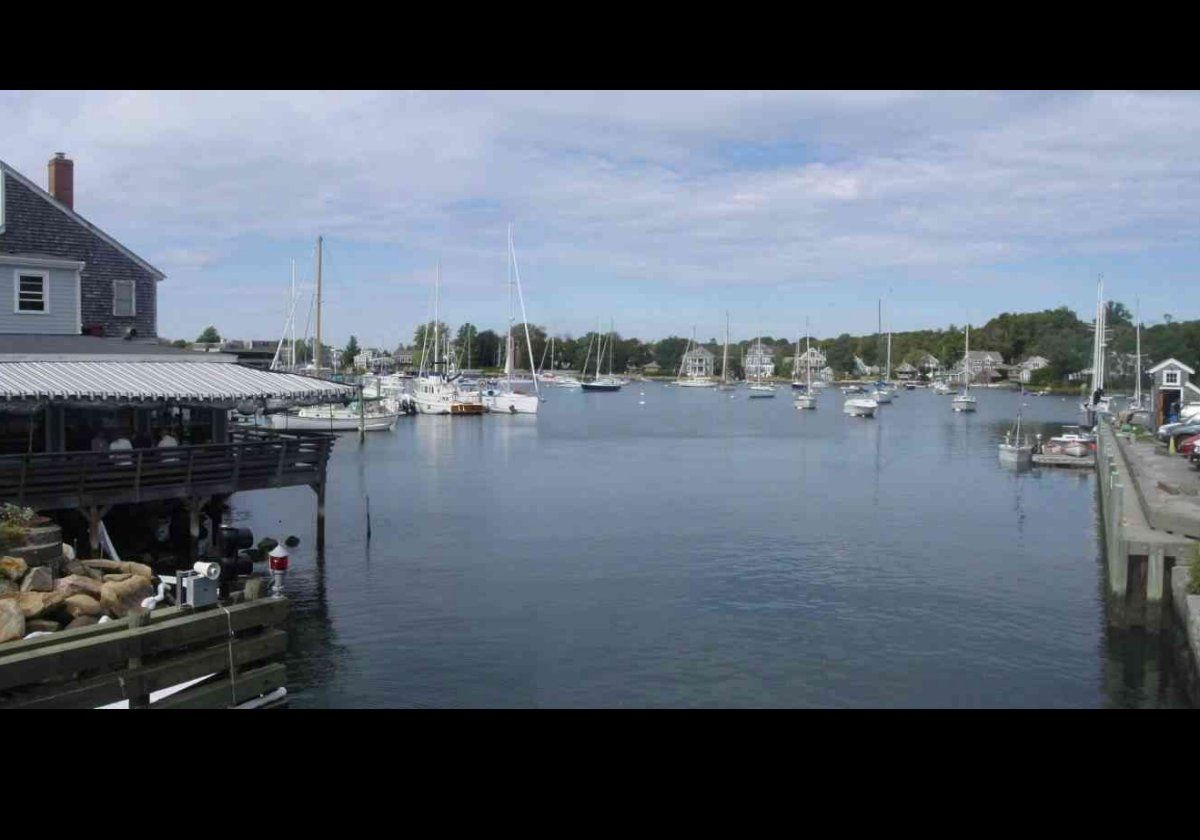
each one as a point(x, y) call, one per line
point(18, 273)
point(1171, 377)
point(2, 176)
point(132, 296)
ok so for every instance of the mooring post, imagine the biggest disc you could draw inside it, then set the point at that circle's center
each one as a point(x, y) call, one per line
point(1156, 574)
point(138, 618)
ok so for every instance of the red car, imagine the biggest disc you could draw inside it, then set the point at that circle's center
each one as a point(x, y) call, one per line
point(1188, 445)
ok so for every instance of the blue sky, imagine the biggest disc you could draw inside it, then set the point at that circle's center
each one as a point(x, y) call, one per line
point(660, 210)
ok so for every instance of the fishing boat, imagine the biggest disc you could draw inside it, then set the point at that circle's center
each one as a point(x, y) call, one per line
point(606, 382)
point(435, 390)
point(503, 397)
point(1016, 451)
point(942, 388)
point(964, 401)
point(850, 390)
point(760, 389)
point(860, 407)
point(687, 377)
point(807, 399)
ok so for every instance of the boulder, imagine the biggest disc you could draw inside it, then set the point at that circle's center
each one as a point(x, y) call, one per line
point(77, 605)
point(33, 604)
point(119, 597)
point(13, 568)
point(12, 621)
point(82, 621)
point(68, 554)
point(38, 579)
point(8, 588)
point(117, 578)
point(94, 574)
point(74, 584)
point(42, 624)
point(120, 566)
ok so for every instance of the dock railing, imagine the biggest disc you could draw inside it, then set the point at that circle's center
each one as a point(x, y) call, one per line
point(252, 460)
point(238, 647)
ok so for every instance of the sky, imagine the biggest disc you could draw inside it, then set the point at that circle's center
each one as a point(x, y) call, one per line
point(658, 210)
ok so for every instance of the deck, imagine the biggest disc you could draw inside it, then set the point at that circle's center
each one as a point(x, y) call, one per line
point(252, 460)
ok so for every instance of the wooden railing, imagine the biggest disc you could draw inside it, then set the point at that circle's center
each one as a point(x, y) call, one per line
point(253, 460)
point(240, 649)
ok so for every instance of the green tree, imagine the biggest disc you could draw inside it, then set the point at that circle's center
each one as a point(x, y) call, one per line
point(209, 336)
point(351, 350)
point(467, 342)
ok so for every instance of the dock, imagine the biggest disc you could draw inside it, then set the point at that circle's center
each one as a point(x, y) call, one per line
point(1043, 460)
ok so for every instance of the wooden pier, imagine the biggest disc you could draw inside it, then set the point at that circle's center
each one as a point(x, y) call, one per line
point(235, 650)
point(1048, 460)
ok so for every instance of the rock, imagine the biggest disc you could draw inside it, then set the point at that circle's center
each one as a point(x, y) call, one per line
point(33, 604)
point(12, 621)
point(119, 597)
point(117, 578)
point(68, 554)
point(38, 579)
point(120, 567)
point(43, 625)
point(13, 568)
point(8, 588)
point(74, 584)
point(77, 605)
point(82, 621)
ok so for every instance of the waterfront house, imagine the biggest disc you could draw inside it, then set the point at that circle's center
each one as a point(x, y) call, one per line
point(905, 371)
point(759, 361)
point(698, 362)
point(1171, 389)
point(813, 359)
point(404, 359)
point(929, 365)
point(1029, 365)
point(651, 368)
point(97, 415)
point(864, 369)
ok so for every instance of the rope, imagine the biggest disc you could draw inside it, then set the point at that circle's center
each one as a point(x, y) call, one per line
point(232, 670)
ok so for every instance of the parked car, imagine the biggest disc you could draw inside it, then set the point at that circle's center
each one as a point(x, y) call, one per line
point(1174, 430)
point(1188, 445)
point(1194, 458)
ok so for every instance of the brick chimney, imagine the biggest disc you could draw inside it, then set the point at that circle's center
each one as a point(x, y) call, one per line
point(62, 179)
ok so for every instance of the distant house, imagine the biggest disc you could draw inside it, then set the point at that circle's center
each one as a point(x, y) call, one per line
point(812, 358)
point(827, 374)
point(1028, 366)
point(698, 362)
point(651, 368)
point(985, 366)
point(404, 358)
point(929, 364)
point(864, 369)
point(759, 362)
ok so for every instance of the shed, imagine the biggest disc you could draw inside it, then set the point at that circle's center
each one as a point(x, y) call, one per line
point(1171, 389)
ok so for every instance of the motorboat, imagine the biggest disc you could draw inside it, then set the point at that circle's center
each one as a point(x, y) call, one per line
point(860, 407)
point(1015, 451)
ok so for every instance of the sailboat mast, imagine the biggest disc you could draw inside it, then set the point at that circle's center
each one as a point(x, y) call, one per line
point(512, 252)
point(967, 362)
point(807, 355)
point(317, 349)
point(1137, 393)
point(437, 281)
point(293, 365)
point(725, 354)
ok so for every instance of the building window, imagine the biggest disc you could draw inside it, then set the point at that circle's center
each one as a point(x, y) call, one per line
point(1171, 377)
point(31, 292)
point(124, 298)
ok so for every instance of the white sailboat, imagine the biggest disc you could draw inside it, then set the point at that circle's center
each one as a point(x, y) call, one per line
point(726, 383)
point(503, 397)
point(760, 389)
point(882, 393)
point(807, 399)
point(687, 377)
point(1097, 402)
point(964, 401)
point(606, 382)
point(1136, 405)
point(434, 390)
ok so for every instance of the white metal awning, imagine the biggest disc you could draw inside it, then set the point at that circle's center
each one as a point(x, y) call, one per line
point(143, 381)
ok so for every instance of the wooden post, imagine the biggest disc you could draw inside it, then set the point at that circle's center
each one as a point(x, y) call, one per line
point(138, 618)
point(362, 417)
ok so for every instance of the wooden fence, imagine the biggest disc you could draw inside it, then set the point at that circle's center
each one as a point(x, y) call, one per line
point(241, 645)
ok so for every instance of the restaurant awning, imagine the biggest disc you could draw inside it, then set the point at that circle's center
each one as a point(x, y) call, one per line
point(155, 381)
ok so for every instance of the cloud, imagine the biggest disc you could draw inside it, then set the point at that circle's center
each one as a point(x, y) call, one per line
point(644, 193)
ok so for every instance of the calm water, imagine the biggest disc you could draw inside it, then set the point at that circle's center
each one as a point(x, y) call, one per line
point(697, 550)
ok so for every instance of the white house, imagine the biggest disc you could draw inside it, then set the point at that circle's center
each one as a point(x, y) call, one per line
point(1030, 365)
point(1171, 390)
point(698, 362)
point(759, 362)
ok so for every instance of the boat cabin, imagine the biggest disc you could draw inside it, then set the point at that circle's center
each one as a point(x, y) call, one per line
point(1171, 389)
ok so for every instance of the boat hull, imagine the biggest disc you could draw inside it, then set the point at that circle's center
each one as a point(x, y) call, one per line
point(963, 404)
point(371, 423)
point(805, 401)
point(860, 408)
point(600, 386)
point(1016, 456)
point(510, 403)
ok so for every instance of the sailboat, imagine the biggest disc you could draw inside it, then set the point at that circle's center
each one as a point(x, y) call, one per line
point(797, 385)
point(688, 376)
point(964, 401)
point(760, 389)
point(726, 383)
point(503, 397)
point(1015, 451)
point(882, 393)
point(1136, 405)
point(1098, 403)
point(435, 390)
point(807, 399)
point(607, 382)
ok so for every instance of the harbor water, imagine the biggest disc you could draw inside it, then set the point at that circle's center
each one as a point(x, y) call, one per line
point(676, 547)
